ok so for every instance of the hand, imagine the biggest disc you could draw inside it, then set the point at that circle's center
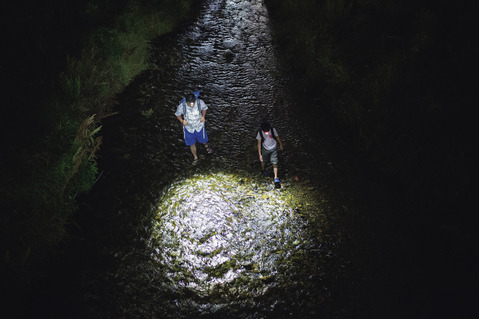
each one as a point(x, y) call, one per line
point(185, 122)
point(261, 158)
point(281, 147)
point(202, 119)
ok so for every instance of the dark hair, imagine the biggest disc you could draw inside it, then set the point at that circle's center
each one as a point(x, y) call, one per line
point(190, 97)
point(265, 126)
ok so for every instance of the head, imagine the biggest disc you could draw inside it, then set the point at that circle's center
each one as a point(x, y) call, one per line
point(190, 98)
point(265, 126)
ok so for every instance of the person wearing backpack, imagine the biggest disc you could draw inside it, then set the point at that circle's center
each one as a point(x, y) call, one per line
point(191, 113)
point(268, 140)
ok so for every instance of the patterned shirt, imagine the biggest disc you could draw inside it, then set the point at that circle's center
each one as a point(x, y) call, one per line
point(192, 115)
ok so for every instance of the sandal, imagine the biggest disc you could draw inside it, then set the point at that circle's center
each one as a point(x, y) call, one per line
point(209, 149)
point(195, 162)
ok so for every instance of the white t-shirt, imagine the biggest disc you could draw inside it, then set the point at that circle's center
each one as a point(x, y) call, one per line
point(269, 142)
point(192, 115)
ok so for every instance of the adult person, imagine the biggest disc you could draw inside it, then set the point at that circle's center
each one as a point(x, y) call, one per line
point(191, 114)
point(268, 140)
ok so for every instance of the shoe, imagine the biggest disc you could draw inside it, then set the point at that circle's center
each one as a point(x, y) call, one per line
point(264, 172)
point(277, 183)
point(195, 162)
point(209, 149)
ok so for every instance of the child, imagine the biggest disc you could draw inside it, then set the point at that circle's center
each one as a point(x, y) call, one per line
point(268, 140)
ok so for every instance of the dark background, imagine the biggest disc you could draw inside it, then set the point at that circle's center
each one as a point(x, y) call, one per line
point(429, 114)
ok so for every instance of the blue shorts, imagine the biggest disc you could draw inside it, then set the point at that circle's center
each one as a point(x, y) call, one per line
point(191, 138)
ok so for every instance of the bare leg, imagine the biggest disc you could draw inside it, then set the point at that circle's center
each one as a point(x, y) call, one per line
point(275, 170)
point(208, 149)
point(193, 151)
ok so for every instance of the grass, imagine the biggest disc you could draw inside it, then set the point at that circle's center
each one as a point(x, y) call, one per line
point(39, 192)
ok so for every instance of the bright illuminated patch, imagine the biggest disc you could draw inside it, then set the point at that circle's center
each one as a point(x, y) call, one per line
point(230, 234)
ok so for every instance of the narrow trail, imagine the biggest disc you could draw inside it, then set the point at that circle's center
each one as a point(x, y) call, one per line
point(167, 240)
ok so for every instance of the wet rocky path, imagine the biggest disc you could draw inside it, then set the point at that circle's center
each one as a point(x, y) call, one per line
point(159, 238)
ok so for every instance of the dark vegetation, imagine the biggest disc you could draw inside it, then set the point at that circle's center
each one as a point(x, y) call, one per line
point(63, 65)
point(396, 80)
point(398, 77)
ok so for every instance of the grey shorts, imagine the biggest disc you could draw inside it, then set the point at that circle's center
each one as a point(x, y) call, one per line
point(269, 156)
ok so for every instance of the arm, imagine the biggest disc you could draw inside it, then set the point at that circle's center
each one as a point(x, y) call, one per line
point(259, 151)
point(203, 115)
point(278, 139)
point(180, 116)
point(182, 121)
point(280, 143)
